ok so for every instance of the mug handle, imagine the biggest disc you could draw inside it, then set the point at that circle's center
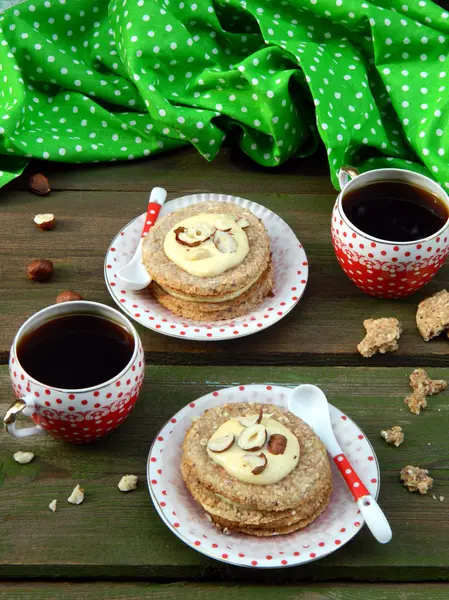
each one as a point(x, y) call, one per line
point(345, 173)
point(23, 405)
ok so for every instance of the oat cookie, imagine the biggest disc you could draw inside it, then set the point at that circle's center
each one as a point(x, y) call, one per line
point(382, 336)
point(307, 484)
point(432, 317)
point(167, 274)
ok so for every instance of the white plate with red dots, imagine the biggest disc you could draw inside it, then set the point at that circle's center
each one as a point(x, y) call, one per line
point(340, 522)
point(290, 278)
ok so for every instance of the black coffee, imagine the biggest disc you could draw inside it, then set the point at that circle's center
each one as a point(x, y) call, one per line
point(75, 351)
point(395, 211)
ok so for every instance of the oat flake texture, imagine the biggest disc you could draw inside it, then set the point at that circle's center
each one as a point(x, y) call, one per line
point(91, 81)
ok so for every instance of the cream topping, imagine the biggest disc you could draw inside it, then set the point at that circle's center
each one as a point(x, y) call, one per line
point(210, 299)
point(233, 460)
point(206, 260)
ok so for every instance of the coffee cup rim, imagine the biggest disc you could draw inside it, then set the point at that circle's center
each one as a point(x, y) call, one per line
point(430, 183)
point(56, 308)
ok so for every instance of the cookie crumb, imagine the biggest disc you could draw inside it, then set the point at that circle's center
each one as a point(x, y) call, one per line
point(416, 479)
point(128, 483)
point(52, 505)
point(393, 436)
point(381, 336)
point(420, 381)
point(416, 402)
point(432, 316)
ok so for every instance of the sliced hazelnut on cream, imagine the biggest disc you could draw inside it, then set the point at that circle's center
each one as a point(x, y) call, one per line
point(184, 239)
point(277, 444)
point(251, 419)
point(242, 222)
point(221, 444)
point(224, 242)
point(224, 223)
point(257, 462)
point(199, 254)
point(252, 438)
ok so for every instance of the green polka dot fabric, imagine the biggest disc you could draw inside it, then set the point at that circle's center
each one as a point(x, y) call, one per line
point(92, 80)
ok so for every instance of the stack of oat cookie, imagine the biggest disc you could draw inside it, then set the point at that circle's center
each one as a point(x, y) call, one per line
point(210, 261)
point(256, 469)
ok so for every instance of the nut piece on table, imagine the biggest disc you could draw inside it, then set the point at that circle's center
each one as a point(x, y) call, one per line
point(127, 483)
point(416, 479)
point(68, 296)
point(45, 221)
point(52, 505)
point(39, 184)
point(416, 401)
point(23, 457)
point(381, 336)
point(393, 436)
point(432, 316)
point(277, 444)
point(77, 496)
point(421, 382)
point(40, 270)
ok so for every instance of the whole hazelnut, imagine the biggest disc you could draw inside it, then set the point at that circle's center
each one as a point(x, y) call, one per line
point(38, 184)
point(68, 296)
point(40, 270)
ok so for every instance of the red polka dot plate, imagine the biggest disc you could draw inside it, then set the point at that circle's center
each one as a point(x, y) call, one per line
point(183, 516)
point(290, 278)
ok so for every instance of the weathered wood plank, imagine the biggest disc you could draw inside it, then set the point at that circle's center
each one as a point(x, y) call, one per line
point(189, 591)
point(113, 535)
point(231, 172)
point(323, 329)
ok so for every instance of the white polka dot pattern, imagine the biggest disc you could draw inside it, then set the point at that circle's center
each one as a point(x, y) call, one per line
point(290, 278)
point(334, 528)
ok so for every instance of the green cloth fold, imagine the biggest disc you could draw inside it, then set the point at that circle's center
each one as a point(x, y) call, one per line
point(91, 80)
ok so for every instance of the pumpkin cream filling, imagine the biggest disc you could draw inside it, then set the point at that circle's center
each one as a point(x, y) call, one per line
point(260, 453)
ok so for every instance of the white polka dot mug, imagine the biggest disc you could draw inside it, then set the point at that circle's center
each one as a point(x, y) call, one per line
point(74, 415)
point(387, 269)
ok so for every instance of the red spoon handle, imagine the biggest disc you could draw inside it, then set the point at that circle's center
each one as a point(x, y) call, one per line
point(152, 214)
point(352, 479)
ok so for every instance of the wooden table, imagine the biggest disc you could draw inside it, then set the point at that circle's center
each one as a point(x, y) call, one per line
point(114, 545)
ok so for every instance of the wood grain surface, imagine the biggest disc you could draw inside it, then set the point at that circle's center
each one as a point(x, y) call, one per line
point(114, 535)
point(92, 203)
point(191, 591)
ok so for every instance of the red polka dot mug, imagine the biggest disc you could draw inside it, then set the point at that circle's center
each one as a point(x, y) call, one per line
point(386, 269)
point(74, 415)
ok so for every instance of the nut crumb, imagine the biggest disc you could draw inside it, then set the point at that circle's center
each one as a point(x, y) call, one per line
point(416, 402)
point(77, 496)
point(382, 336)
point(416, 479)
point(432, 316)
point(393, 436)
point(208, 517)
point(128, 483)
point(434, 497)
point(23, 457)
point(441, 498)
point(52, 505)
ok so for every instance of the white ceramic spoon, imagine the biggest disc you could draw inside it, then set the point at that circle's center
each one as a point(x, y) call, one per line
point(310, 404)
point(134, 275)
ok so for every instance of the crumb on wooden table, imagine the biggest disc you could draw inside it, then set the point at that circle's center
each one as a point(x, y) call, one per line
point(432, 316)
point(416, 479)
point(393, 436)
point(381, 336)
point(420, 381)
point(416, 402)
